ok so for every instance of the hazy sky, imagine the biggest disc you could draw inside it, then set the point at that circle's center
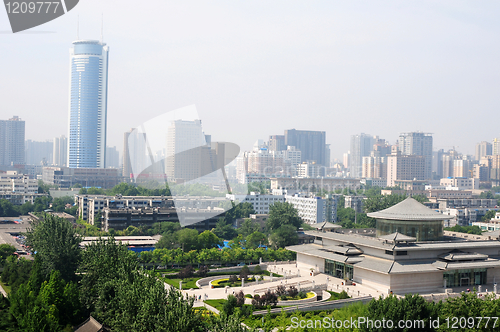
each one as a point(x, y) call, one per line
point(256, 68)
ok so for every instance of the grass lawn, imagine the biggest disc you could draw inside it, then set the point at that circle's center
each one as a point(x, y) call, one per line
point(296, 298)
point(222, 273)
point(5, 287)
point(267, 273)
point(186, 283)
point(217, 304)
point(338, 296)
point(168, 270)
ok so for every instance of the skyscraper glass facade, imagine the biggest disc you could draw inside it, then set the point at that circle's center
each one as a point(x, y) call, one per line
point(88, 104)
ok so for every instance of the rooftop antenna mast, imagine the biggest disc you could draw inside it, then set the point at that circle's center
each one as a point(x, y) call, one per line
point(78, 28)
point(102, 23)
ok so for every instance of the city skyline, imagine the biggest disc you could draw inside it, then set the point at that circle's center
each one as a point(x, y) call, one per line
point(384, 70)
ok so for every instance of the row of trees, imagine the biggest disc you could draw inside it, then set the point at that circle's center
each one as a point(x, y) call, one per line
point(213, 255)
point(66, 284)
point(153, 189)
point(7, 209)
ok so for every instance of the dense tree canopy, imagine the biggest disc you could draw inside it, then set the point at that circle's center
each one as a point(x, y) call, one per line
point(281, 214)
point(56, 243)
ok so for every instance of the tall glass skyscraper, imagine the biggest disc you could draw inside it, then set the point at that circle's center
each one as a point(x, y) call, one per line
point(88, 104)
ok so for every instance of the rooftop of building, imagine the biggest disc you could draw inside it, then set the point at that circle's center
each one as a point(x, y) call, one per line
point(409, 210)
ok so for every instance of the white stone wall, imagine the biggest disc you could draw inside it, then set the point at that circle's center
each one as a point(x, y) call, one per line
point(427, 282)
point(306, 262)
point(378, 281)
point(492, 276)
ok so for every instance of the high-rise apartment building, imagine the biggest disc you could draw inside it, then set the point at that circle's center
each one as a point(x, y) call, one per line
point(186, 156)
point(483, 149)
point(38, 153)
point(112, 157)
point(312, 144)
point(361, 146)
point(293, 156)
point(418, 144)
point(12, 142)
point(404, 167)
point(60, 151)
point(88, 104)
point(495, 147)
point(277, 143)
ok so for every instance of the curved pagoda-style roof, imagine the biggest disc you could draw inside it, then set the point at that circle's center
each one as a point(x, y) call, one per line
point(409, 209)
point(398, 237)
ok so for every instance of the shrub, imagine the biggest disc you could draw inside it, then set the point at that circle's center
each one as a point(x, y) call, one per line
point(269, 298)
point(302, 295)
point(186, 272)
point(245, 271)
point(203, 271)
point(240, 298)
point(343, 295)
point(246, 310)
point(281, 291)
point(248, 296)
point(257, 270)
point(292, 291)
point(233, 278)
point(229, 305)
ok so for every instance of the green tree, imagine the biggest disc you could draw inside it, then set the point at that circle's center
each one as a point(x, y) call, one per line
point(281, 214)
point(42, 187)
point(95, 191)
point(255, 239)
point(6, 250)
point(59, 203)
point(229, 305)
point(187, 239)
point(489, 215)
point(411, 307)
point(48, 305)
point(248, 227)
point(207, 240)
point(7, 209)
point(285, 235)
point(57, 244)
point(126, 299)
point(466, 229)
point(224, 229)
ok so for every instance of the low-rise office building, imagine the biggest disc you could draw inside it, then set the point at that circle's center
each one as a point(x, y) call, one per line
point(14, 182)
point(260, 202)
point(313, 209)
point(121, 218)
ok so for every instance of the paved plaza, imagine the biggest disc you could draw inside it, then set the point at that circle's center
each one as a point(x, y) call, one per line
point(305, 280)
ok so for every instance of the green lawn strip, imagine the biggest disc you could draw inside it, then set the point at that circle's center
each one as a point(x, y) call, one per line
point(267, 273)
point(5, 287)
point(186, 283)
point(284, 318)
point(223, 282)
point(222, 273)
point(217, 304)
point(336, 296)
point(309, 295)
point(169, 271)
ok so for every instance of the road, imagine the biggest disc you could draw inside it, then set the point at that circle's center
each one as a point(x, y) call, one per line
point(7, 229)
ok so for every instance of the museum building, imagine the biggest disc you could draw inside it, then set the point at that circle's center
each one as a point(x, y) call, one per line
point(408, 254)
